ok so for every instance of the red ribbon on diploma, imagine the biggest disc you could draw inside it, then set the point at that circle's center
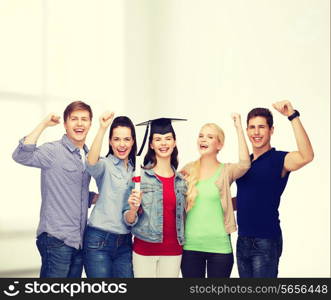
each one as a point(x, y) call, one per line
point(136, 179)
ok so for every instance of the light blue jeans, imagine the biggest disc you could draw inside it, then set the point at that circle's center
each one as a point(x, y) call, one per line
point(106, 254)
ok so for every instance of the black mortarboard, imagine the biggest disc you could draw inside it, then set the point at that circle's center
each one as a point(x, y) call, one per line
point(160, 125)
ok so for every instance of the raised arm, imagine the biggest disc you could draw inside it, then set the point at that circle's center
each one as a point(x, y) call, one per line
point(50, 120)
point(94, 153)
point(239, 169)
point(304, 154)
point(28, 154)
point(243, 149)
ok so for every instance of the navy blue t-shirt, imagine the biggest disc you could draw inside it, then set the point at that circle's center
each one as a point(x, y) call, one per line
point(258, 196)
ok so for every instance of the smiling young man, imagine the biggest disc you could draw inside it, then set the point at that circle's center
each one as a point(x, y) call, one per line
point(64, 190)
point(259, 244)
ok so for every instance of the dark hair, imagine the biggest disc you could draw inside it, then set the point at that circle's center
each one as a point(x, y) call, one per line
point(261, 112)
point(150, 157)
point(124, 121)
point(76, 105)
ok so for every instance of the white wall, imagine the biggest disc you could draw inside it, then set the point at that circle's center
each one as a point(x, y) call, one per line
point(195, 59)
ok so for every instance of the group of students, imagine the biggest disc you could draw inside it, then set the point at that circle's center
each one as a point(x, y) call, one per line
point(178, 221)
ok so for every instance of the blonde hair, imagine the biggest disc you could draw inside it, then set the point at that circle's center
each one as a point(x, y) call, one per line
point(193, 170)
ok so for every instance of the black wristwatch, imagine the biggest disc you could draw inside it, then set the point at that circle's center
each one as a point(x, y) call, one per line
point(294, 115)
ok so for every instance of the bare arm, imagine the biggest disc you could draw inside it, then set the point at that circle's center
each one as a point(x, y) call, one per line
point(50, 120)
point(243, 149)
point(305, 154)
point(94, 153)
point(237, 170)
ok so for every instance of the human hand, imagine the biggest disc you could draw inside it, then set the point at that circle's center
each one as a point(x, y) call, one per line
point(95, 198)
point(135, 199)
point(51, 120)
point(284, 107)
point(237, 120)
point(106, 118)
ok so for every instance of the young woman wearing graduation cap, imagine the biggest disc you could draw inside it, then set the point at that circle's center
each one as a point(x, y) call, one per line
point(158, 223)
point(210, 218)
point(108, 241)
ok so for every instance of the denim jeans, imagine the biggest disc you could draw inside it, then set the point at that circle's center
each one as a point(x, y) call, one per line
point(58, 259)
point(107, 254)
point(218, 265)
point(258, 258)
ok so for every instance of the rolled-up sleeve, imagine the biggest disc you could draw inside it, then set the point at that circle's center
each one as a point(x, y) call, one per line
point(126, 206)
point(126, 222)
point(97, 170)
point(33, 156)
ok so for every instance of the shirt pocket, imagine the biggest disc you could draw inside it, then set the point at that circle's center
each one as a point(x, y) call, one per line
point(148, 191)
point(71, 173)
point(118, 180)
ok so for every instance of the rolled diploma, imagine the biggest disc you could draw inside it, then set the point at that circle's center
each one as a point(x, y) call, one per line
point(137, 174)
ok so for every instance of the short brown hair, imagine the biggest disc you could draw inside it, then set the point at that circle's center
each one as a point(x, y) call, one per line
point(76, 105)
point(261, 112)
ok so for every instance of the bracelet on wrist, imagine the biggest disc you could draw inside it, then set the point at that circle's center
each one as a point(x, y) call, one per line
point(294, 115)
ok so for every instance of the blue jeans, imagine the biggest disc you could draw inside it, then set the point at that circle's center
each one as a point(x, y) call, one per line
point(258, 258)
point(107, 254)
point(58, 259)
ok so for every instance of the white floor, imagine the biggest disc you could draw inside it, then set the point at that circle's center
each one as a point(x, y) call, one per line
point(19, 256)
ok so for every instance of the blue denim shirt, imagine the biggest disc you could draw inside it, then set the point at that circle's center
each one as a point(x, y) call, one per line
point(113, 181)
point(64, 188)
point(149, 223)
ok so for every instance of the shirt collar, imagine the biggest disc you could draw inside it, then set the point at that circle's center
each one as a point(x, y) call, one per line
point(114, 159)
point(151, 172)
point(263, 155)
point(117, 161)
point(69, 144)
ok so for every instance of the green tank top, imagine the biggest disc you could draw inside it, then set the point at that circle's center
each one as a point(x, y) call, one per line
point(204, 227)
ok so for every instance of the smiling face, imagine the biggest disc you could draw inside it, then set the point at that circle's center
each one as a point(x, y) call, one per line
point(163, 144)
point(121, 142)
point(77, 126)
point(259, 133)
point(208, 141)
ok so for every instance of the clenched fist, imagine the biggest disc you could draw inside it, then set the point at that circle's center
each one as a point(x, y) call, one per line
point(284, 107)
point(106, 118)
point(51, 120)
point(237, 119)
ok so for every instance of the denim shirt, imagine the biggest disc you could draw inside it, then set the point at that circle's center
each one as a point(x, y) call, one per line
point(149, 223)
point(113, 181)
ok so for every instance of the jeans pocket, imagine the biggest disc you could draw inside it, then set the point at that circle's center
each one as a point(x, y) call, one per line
point(53, 242)
point(242, 247)
point(94, 245)
point(266, 247)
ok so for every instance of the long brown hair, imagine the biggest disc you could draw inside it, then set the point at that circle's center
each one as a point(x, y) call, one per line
point(124, 121)
point(150, 157)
